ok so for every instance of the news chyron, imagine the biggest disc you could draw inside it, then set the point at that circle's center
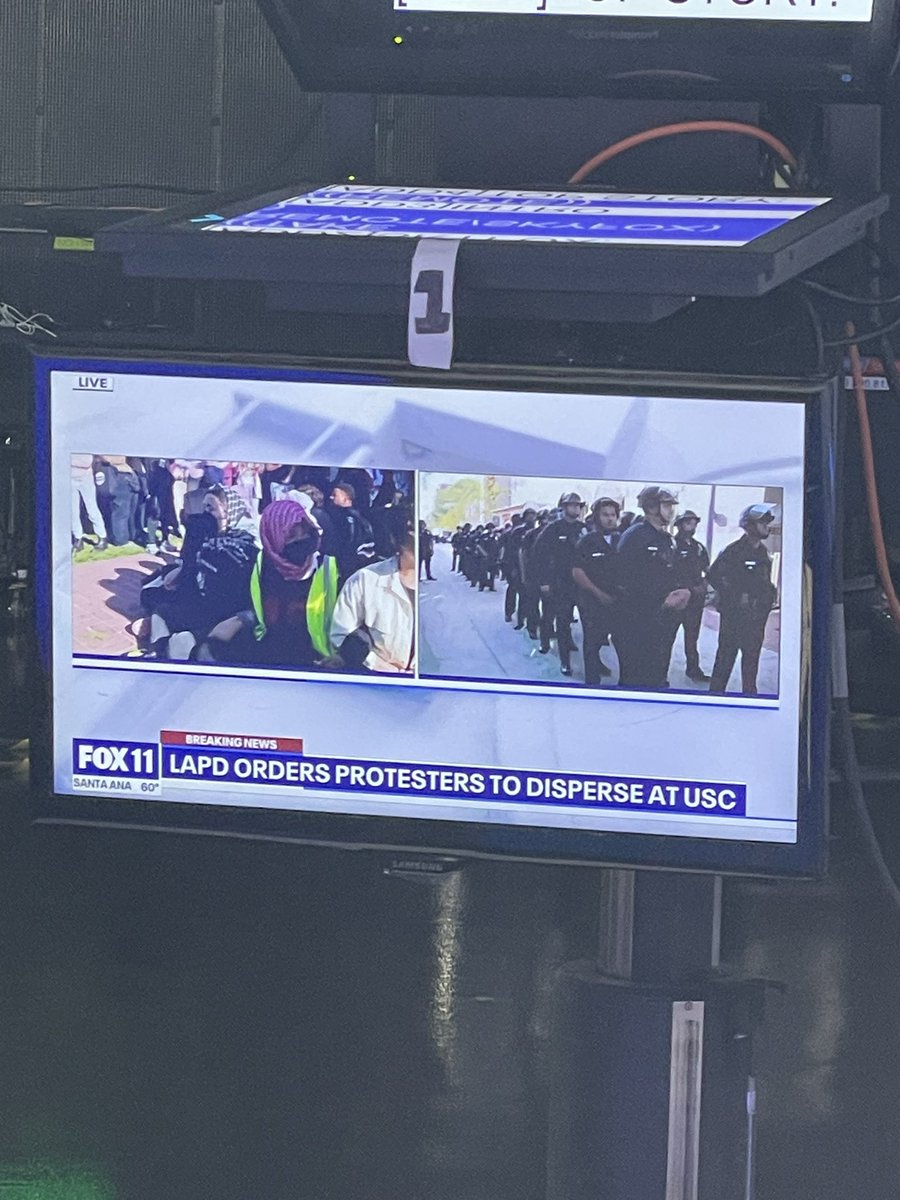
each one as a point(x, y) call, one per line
point(363, 598)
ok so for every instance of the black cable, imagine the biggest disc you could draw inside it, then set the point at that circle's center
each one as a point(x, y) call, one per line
point(270, 176)
point(849, 768)
point(818, 331)
point(847, 297)
point(889, 362)
point(842, 721)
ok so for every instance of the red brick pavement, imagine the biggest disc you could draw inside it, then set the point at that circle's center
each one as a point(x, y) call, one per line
point(105, 600)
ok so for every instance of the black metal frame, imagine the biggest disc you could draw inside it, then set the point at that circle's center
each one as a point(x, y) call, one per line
point(371, 274)
point(350, 47)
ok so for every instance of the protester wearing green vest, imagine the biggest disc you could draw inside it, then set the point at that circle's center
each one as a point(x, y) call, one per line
point(293, 591)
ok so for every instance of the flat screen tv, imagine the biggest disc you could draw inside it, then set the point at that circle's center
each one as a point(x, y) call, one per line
point(587, 47)
point(566, 617)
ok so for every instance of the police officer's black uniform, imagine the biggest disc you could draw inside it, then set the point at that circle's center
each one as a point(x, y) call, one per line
point(454, 545)
point(467, 554)
point(742, 578)
point(595, 554)
point(486, 555)
point(532, 601)
point(647, 568)
point(510, 561)
point(693, 567)
point(553, 559)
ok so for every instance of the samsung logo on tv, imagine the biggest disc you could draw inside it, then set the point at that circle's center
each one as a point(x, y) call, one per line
point(95, 383)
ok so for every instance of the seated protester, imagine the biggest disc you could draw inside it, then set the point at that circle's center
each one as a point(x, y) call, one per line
point(293, 591)
point(374, 619)
point(216, 585)
point(170, 596)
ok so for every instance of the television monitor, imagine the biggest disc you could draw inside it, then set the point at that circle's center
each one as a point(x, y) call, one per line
point(587, 47)
point(347, 247)
point(437, 612)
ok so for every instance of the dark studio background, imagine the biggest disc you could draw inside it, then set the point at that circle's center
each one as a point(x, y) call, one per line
point(204, 1019)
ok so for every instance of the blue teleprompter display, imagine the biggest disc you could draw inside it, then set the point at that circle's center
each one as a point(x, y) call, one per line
point(585, 217)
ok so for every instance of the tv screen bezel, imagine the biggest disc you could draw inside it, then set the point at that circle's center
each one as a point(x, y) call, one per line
point(805, 857)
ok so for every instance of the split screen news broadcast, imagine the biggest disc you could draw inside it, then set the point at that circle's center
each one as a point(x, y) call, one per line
point(484, 617)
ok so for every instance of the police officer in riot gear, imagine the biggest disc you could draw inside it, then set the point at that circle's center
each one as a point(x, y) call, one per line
point(510, 561)
point(693, 566)
point(455, 547)
point(469, 564)
point(653, 593)
point(532, 601)
point(554, 558)
point(487, 553)
point(745, 595)
point(594, 577)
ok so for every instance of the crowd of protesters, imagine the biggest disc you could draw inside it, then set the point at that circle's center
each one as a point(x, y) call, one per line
point(267, 564)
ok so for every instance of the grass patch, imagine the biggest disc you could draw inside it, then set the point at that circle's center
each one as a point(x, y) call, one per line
point(89, 554)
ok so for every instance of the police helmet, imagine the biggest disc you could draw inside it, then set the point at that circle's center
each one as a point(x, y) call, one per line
point(544, 515)
point(653, 496)
point(605, 501)
point(687, 515)
point(756, 512)
point(569, 498)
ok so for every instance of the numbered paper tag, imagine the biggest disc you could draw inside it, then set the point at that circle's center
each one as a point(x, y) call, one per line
point(430, 328)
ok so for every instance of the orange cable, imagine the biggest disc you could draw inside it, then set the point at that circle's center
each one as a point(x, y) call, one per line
point(868, 460)
point(661, 131)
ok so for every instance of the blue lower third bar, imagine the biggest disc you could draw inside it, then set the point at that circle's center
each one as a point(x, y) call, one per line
point(613, 226)
point(372, 777)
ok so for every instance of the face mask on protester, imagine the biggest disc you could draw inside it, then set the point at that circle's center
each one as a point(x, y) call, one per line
point(301, 551)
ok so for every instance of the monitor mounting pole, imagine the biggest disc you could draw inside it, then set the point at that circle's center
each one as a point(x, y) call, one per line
point(652, 1093)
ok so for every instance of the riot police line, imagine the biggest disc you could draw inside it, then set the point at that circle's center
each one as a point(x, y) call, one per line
point(633, 581)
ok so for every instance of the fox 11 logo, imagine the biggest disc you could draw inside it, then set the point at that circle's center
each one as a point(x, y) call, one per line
point(115, 760)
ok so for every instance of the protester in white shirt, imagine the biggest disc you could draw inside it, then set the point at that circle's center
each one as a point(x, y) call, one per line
point(84, 490)
point(377, 605)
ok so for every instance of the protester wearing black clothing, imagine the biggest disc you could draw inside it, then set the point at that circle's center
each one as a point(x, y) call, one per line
point(321, 516)
point(693, 567)
point(161, 508)
point(745, 594)
point(553, 560)
point(118, 494)
point(652, 593)
point(594, 577)
point(360, 480)
point(354, 539)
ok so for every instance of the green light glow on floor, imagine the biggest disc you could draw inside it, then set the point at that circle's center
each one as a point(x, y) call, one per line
point(53, 1185)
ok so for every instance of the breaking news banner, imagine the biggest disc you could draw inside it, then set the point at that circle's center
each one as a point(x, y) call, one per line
point(204, 758)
